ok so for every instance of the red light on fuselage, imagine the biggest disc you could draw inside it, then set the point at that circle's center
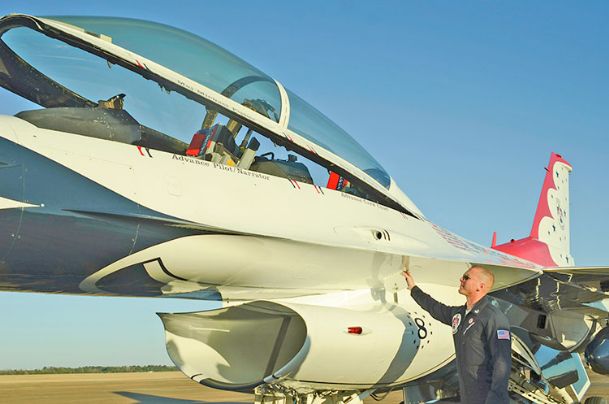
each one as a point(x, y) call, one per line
point(354, 330)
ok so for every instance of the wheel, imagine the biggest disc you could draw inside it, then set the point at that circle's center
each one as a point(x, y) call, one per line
point(596, 400)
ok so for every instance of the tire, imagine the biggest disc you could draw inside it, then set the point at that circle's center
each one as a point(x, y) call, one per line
point(596, 400)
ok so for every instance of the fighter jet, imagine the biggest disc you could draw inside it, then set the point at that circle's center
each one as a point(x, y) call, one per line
point(150, 162)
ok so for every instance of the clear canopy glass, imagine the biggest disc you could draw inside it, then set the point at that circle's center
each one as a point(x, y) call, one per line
point(191, 56)
point(316, 127)
point(220, 70)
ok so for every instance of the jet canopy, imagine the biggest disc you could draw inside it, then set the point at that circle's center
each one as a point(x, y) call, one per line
point(183, 63)
point(225, 73)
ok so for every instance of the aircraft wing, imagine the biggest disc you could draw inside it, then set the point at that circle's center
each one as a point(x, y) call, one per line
point(587, 276)
point(582, 288)
point(590, 286)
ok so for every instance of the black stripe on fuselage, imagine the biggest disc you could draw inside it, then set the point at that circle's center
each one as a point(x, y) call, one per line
point(53, 247)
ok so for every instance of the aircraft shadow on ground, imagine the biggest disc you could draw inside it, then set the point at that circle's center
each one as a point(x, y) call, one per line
point(150, 399)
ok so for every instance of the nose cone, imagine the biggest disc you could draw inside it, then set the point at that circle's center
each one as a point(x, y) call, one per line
point(597, 352)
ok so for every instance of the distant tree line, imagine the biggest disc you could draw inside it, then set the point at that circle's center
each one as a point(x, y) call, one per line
point(89, 369)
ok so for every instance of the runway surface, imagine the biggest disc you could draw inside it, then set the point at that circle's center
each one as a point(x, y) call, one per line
point(148, 388)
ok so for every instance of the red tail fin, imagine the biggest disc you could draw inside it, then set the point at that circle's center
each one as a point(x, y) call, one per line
point(548, 243)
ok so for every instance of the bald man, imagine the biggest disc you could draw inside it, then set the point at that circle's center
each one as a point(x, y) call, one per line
point(481, 334)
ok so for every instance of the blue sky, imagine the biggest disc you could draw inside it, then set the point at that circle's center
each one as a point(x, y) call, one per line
point(461, 102)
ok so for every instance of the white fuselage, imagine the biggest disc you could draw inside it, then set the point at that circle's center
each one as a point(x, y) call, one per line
point(332, 258)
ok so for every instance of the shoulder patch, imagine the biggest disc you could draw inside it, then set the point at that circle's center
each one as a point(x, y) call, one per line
point(503, 334)
point(456, 321)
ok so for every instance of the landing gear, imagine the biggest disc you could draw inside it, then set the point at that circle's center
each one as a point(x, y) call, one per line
point(596, 400)
point(274, 394)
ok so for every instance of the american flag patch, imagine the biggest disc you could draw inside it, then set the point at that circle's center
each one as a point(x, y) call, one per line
point(503, 334)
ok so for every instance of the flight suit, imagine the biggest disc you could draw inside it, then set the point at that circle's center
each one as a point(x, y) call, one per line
point(482, 344)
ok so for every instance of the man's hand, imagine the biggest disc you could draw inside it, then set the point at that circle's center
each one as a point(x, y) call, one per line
point(409, 279)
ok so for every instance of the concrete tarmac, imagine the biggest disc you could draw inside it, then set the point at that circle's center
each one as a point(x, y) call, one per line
point(149, 388)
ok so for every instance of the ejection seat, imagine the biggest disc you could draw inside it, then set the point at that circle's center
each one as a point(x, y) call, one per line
point(217, 144)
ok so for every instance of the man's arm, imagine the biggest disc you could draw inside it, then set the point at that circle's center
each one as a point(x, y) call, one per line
point(439, 311)
point(499, 342)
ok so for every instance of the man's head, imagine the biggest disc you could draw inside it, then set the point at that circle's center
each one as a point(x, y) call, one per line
point(477, 281)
